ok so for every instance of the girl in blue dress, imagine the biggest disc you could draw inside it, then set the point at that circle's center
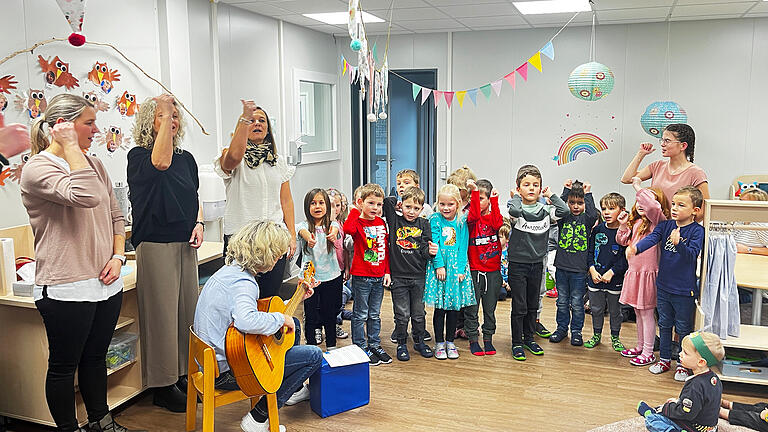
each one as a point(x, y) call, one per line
point(448, 285)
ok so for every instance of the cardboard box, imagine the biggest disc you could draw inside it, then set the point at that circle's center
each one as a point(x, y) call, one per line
point(344, 386)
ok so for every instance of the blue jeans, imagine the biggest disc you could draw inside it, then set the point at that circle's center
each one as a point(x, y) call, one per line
point(674, 310)
point(346, 295)
point(571, 287)
point(368, 293)
point(660, 423)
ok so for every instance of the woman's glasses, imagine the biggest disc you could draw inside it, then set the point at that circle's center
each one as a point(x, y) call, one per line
point(667, 141)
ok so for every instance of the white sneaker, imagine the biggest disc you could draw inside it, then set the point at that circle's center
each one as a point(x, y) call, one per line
point(681, 373)
point(299, 396)
point(440, 351)
point(453, 353)
point(248, 424)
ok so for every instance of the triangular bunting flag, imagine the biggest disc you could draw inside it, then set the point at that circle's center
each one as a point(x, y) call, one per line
point(437, 96)
point(523, 71)
point(497, 87)
point(448, 98)
point(345, 68)
point(548, 50)
point(460, 96)
point(416, 90)
point(375, 56)
point(74, 12)
point(535, 60)
point(510, 77)
point(486, 89)
point(425, 94)
point(473, 95)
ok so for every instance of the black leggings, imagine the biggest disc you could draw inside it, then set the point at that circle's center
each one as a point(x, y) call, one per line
point(269, 282)
point(442, 318)
point(78, 337)
point(325, 304)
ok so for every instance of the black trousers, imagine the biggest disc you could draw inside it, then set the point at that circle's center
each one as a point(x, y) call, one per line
point(525, 281)
point(326, 303)
point(748, 416)
point(78, 337)
point(269, 282)
point(444, 319)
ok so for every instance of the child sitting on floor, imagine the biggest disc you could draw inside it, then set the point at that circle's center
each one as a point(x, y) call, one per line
point(740, 414)
point(698, 406)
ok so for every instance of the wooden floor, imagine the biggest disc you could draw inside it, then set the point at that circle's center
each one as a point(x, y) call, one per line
point(567, 389)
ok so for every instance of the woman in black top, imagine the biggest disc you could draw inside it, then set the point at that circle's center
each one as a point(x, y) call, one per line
point(167, 230)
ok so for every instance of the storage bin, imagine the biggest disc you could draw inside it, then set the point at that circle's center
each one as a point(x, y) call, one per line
point(334, 390)
point(122, 349)
point(735, 369)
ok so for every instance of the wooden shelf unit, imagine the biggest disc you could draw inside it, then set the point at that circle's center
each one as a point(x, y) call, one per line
point(751, 271)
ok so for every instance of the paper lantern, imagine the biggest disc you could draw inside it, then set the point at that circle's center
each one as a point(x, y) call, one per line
point(661, 114)
point(591, 81)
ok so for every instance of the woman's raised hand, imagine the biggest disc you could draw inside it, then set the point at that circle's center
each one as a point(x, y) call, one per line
point(249, 107)
point(65, 134)
point(165, 104)
point(646, 148)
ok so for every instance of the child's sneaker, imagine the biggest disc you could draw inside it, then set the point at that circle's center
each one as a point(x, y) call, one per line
point(518, 353)
point(248, 424)
point(424, 350)
point(644, 409)
point(453, 353)
point(340, 333)
point(551, 293)
point(402, 353)
point(475, 349)
point(616, 344)
point(440, 353)
point(319, 336)
point(681, 373)
point(489, 348)
point(373, 359)
point(593, 341)
point(460, 334)
point(533, 347)
point(576, 339)
point(642, 360)
point(427, 336)
point(393, 339)
point(542, 331)
point(557, 337)
point(660, 367)
point(631, 352)
point(382, 355)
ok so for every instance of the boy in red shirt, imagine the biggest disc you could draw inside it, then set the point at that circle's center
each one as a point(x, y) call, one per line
point(370, 270)
point(484, 254)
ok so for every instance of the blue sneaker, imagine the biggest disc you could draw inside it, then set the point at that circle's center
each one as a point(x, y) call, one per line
point(533, 347)
point(518, 353)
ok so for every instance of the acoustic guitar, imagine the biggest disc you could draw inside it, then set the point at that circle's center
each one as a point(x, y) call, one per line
point(258, 361)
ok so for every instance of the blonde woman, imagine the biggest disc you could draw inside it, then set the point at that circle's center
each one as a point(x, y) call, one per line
point(79, 240)
point(257, 182)
point(752, 242)
point(230, 297)
point(167, 230)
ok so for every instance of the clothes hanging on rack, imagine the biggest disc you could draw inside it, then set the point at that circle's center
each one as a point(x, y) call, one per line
point(721, 302)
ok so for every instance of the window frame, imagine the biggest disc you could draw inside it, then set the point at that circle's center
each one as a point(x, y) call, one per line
point(300, 75)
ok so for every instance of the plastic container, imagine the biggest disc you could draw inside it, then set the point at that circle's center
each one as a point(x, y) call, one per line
point(213, 196)
point(122, 349)
point(736, 369)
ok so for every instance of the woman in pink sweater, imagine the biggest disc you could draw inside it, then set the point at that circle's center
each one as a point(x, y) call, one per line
point(79, 243)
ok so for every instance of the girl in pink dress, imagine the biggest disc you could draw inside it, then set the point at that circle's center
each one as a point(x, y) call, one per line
point(639, 290)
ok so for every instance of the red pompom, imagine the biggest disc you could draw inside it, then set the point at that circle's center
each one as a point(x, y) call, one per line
point(77, 39)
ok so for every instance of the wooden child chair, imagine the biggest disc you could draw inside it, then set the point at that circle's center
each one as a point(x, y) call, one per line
point(201, 383)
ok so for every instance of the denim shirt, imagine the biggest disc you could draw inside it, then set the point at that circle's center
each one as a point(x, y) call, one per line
point(229, 296)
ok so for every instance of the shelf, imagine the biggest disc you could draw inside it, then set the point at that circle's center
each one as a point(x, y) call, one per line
point(737, 379)
point(124, 321)
point(110, 371)
point(752, 338)
point(117, 395)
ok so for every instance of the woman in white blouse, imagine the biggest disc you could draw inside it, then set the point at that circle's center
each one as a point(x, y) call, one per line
point(257, 184)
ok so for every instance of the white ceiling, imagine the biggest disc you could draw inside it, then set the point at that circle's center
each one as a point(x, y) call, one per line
point(430, 16)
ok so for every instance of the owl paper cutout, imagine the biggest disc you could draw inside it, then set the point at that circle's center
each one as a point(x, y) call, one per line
point(112, 137)
point(93, 98)
point(57, 73)
point(743, 187)
point(103, 77)
point(33, 102)
point(126, 104)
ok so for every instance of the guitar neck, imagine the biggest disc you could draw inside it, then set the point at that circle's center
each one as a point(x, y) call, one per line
point(297, 298)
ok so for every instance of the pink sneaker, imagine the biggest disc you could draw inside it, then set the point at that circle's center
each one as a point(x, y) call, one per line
point(660, 367)
point(642, 360)
point(631, 352)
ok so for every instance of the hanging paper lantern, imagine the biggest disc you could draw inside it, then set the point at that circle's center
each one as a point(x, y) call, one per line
point(356, 45)
point(661, 114)
point(591, 81)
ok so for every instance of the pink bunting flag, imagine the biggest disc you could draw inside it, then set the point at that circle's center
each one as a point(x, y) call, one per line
point(437, 96)
point(74, 12)
point(510, 77)
point(523, 71)
point(496, 87)
point(448, 98)
point(425, 94)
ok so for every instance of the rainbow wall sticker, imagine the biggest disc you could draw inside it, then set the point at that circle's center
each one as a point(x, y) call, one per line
point(580, 143)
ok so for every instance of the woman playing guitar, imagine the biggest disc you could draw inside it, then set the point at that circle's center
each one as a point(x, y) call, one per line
point(229, 298)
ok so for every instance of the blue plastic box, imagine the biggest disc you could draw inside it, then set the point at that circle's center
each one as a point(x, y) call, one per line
point(338, 389)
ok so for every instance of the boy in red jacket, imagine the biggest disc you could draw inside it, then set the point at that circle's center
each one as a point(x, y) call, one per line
point(370, 270)
point(484, 254)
